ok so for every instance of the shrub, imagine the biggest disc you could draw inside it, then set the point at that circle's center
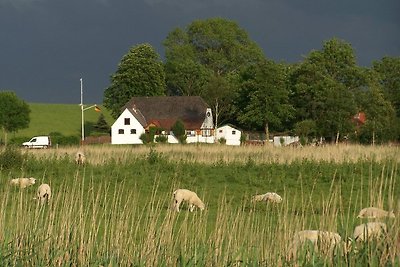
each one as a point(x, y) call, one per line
point(149, 136)
point(59, 139)
point(153, 156)
point(179, 131)
point(222, 140)
point(145, 138)
point(17, 141)
point(11, 158)
point(161, 139)
point(243, 138)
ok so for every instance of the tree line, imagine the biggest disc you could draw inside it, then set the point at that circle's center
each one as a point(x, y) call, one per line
point(317, 97)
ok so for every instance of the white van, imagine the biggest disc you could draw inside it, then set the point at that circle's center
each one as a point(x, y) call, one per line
point(38, 142)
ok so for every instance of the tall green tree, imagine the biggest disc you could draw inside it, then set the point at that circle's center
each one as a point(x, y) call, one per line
point(14, 113)
point(388, 70)
point(204, 58)
point(184, 74)
point(381, 124)
point(324, 87)
point(263, 101)
point(101, 125)
point(140, 73)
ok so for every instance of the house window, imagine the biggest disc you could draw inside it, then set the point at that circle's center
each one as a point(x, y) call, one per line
point(120, 131)
point(206, 132)
point(233, 132)
point(220, 131)
point(190, 133)
point(133, 131)
point(127, 121)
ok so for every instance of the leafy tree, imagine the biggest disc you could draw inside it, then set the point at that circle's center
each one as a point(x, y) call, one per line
point(14, 113)
point(140, 73)
point(263, 100)
point(381, 121)
point(184, 74)
point(388, 70)
point(220, 96)
point(205, 58)
point(305, 128)
point(324, 87)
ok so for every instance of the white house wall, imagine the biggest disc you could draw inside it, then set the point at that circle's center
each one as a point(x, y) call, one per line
point(200, 139)
point(131, 132)
point(231, 135)
point(171, 139)
point(286, 140)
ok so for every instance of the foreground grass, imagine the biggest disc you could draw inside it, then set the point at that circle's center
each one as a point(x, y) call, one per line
point(116, 211)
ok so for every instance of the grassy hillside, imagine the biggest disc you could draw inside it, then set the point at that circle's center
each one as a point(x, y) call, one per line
point(62, 118)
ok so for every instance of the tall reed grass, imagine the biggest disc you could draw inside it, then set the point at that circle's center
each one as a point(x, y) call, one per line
point(94, 221)
point(116, 211)
point(211, 154)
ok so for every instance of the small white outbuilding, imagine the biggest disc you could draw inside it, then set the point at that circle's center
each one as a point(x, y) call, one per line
point(284, 140)
point(230, 134)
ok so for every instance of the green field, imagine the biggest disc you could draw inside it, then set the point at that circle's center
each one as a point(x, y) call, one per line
point(116, 210)
point(62, 118)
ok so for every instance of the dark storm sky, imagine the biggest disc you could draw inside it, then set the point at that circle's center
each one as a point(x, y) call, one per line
point(48, 45)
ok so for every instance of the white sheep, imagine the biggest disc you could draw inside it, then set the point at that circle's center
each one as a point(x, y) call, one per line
point(369, 231)
point(372, 212)
point(80, 158)
point(44, 193)
point(257, 198)
point(23, 182)
point(189, 196)
point(267, 197)
point(322, 241)
point(272, 197)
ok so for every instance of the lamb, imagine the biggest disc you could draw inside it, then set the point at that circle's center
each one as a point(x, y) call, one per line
point(189, 196)
point(80, 158)
point(369, 231)
point(23, 182)
point(372, 212)
point(44, 193)
point(267, 197)
point(322, 241)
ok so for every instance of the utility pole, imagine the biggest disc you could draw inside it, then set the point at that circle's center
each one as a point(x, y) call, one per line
point(82, 110)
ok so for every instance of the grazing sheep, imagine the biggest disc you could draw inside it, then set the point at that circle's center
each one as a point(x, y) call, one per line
point(80, 158)
point(322, 241)
point(257, 198)
point(369, 231)
point(372, 212)
point(267, 197)
point(23, 182)
point(44, 193)
point(272, 197)
point(189, 196)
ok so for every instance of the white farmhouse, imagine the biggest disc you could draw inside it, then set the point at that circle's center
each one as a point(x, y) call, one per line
point(230, 134)
point(162, 112)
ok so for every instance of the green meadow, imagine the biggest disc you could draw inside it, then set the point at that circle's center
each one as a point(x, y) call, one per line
point(116, 209)
point(61, 118)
